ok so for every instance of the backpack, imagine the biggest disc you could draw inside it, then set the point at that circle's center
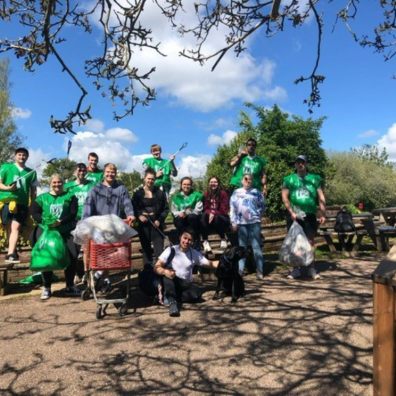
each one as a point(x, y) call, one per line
point(149, 281)
point(344, 221)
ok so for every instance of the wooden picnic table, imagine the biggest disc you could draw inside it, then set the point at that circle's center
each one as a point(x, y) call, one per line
point(348, 242)
point(388, 215)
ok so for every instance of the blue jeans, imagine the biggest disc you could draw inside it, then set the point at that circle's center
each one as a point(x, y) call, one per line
point(250, 234)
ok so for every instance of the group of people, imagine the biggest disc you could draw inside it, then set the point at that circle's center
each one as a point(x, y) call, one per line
point(195, 214)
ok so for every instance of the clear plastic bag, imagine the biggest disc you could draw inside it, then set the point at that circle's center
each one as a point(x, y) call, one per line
point(296, 249)
point(102, 229)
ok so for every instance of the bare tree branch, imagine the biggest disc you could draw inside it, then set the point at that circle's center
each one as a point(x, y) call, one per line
point(113, 71)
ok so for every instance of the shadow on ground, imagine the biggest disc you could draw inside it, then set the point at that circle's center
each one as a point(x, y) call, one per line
point(283, 338)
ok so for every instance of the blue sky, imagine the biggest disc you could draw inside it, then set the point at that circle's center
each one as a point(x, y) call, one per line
point(201, 107)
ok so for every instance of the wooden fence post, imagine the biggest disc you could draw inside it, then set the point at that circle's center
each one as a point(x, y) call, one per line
point(384, 328)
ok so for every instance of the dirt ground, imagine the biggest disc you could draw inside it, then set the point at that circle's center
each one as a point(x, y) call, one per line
point(283, 338)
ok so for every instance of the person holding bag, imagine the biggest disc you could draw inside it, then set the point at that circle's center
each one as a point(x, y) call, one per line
point(302, 193)
point(55, 210)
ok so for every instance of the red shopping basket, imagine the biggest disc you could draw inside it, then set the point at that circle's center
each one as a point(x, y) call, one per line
point(109, 256)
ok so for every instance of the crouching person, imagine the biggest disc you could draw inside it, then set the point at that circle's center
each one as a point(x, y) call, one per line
point(175, 265)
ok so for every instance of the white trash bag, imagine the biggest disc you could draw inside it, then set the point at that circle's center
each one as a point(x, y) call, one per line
point(102, 229)
point(296, 249)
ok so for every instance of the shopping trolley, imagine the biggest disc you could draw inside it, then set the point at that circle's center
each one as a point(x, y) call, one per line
point(103, 257)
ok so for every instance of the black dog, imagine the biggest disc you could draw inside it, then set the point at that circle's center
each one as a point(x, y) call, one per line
point(228, 278)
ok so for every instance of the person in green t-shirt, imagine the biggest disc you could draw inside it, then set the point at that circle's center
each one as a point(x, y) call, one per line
point(164, 169)
point(17, 188)
point(94, 174)
point(301, 194)
point(247, 162)
point(186, 207)
point(57, 209)
point(79, 187)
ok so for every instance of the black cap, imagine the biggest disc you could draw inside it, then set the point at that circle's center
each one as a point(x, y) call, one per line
point(301, 158)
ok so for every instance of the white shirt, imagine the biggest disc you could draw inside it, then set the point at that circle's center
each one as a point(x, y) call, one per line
point(183, 262)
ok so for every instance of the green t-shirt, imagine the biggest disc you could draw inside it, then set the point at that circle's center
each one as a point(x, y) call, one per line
point(10, 172)
point(251, 165)
point(80, 191)
point(95, 177)
point(156, 165)
point(181, 202)
point(54, 207)
point(303, 191)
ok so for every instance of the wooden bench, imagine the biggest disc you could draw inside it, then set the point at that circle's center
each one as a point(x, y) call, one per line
point(346, 240)
point(4, 268)
point(385, 232)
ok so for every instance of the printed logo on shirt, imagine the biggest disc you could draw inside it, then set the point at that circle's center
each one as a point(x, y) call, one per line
point(56, 210)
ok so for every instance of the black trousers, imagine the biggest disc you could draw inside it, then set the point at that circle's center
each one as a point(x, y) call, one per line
point(220, 224)
point(181, 290)
point(147, 235)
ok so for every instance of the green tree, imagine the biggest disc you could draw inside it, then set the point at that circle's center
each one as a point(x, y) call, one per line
point(280, 139)
point(63, 166)
point(9, 139)
point(355, 179)
point(131, 180)
point(373, 153)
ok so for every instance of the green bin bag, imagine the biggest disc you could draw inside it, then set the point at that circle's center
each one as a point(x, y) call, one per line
point(50, 252)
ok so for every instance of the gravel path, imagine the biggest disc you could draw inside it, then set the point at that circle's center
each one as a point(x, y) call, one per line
point(284, 338)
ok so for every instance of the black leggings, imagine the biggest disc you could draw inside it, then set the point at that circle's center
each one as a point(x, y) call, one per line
point(148, 234)
point(219, 224)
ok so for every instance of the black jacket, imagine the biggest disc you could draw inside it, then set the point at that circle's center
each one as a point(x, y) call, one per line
point(161, 208)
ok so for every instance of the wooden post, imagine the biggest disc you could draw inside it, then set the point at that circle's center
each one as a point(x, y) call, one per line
point(384, 340)
point(384, 329)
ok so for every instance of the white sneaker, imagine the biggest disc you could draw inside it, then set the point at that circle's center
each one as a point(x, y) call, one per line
point(45, 294)
point(296, 273)
point(223, 244)
point(313, 274)
point(206, 247)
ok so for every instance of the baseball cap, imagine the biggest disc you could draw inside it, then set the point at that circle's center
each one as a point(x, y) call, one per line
point(301, 158)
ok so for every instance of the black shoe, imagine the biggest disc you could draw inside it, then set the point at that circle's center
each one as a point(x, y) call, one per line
point(12, 258)
point(174, 309)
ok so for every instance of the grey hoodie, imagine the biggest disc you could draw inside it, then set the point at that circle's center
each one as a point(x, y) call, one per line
point(103, 200)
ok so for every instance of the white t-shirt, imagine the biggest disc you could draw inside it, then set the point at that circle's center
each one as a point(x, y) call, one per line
point(183, 262)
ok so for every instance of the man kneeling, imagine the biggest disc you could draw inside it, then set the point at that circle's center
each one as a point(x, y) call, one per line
point(176, 264)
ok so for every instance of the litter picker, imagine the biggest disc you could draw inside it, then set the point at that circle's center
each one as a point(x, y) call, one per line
point(183, 146)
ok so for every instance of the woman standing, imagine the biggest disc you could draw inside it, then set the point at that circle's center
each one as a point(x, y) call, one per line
point(58, 210)
point(186, 207)
point(215, 216)
point(151, 209)
point(247, 207)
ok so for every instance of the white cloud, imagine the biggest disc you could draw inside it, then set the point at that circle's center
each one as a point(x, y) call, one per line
point(367, 134)
point(17, 112)
point(388, 141)
point(194, 166)
point(95, 125)
point(37, 160)
point(110, 145)
point(195, 86)
point(228, 136)
point(276, 94)
point(121, 134)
